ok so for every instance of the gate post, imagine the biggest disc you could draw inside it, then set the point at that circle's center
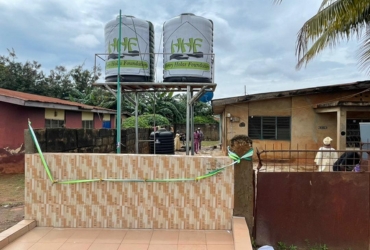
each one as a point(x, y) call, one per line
point(243, 180)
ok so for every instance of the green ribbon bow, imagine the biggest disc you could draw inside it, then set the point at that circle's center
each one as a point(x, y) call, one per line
point(247, 156)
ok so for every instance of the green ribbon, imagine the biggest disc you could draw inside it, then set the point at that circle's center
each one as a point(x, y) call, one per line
point(232, 155)
point(247, 156)
point(40, 152)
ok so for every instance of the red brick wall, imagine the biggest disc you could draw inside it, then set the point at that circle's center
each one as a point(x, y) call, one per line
point(73, 119)
point(14, 120)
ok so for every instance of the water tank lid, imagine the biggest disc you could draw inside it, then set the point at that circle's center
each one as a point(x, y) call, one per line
point(189, 14)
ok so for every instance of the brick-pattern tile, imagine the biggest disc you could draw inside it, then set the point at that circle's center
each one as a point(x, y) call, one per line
point(204, 204)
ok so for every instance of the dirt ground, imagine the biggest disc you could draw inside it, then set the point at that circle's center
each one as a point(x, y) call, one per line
point(11, 200)
point(12, 190)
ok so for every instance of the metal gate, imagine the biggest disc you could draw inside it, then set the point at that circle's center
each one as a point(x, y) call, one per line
point(298, 206)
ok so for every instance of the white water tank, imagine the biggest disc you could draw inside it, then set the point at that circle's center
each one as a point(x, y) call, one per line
point(137, 50)
point(188, 48)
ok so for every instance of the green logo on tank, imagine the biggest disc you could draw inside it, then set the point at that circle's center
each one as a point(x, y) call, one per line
point(127, 44)
point(182, 46)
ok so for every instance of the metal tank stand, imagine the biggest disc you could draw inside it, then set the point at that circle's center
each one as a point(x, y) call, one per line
point(194, 91)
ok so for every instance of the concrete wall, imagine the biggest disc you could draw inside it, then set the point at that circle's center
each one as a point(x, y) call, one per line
point(71, 140)
point(129, 140)
point(211, 131)
point(73, 119)
point(98, 121)
point(86, 140)
point(308, 127)
point(203, 204)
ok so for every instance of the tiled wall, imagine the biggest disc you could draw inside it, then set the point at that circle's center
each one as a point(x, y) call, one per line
point(205, 204)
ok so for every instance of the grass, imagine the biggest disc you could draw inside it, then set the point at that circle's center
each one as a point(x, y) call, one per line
point(11, 189)
point(210, 143)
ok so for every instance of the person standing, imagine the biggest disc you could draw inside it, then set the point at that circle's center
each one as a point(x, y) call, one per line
point(177, 141)
point(201, 137)
point(326, 156)
point(196, 141)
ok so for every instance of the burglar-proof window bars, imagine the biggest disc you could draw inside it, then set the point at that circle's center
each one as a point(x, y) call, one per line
point(269, 127)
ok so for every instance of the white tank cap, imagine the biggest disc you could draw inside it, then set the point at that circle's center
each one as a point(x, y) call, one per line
point(266, 248)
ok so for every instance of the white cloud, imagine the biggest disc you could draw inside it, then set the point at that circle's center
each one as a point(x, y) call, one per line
point(86, 40)
point(254, 41)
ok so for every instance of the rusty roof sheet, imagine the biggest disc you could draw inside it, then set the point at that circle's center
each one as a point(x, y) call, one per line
point(48, 100)
point(218, 105)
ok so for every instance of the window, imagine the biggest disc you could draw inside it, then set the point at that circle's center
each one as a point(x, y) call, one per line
point(353, 137)
point(50, 123)
point(269, 127)
point(87, 124)
point(87, 120)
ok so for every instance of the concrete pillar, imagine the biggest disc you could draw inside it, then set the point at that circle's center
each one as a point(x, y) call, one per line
point(243, 180)
point(29, 145)
point(341, 128)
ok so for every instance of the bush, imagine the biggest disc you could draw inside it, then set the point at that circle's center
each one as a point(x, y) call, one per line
point(201, 120)
point(145, 121)
point(159, 120)
point(204, 120)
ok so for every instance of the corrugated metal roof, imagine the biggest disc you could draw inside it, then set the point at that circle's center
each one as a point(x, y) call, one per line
point(42, 100)
point(218, 105)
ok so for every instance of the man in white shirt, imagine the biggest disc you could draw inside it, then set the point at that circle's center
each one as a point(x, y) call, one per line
point(326, 156)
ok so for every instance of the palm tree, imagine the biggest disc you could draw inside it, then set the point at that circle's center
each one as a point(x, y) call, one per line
point(335, 20)
point(165, 104)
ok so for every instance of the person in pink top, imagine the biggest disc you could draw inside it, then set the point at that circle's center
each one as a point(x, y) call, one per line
point(196, 141)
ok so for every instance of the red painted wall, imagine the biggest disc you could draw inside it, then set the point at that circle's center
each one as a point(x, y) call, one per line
point(112, 121)
point(73, 119)
point(15, 120)
point(98, 120)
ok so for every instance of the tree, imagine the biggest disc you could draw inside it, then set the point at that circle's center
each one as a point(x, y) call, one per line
point(74, 85)
point(163, 103)
point(21, 77)
point(202, 111)
point(146, 121)
point(335, 20)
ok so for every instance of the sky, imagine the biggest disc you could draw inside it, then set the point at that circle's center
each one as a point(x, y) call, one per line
point(254, 40)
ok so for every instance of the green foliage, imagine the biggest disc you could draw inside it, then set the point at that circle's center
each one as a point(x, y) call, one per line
point(130, 123)
point(146, 121)
point(253, 242)
point(156, 120)
point(204, 120)
point(316, 246)
point(335, 21)
point(74, 85)
point(283, 246)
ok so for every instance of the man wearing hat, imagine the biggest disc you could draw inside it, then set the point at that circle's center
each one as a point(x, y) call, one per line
point(326, 156)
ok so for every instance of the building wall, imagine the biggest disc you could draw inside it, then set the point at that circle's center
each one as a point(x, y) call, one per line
point(113, 121)
point(204, 204)
point(15, 121)
point(210, 131)
point(98, 120)
point(73, 119)
point(308, 127)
